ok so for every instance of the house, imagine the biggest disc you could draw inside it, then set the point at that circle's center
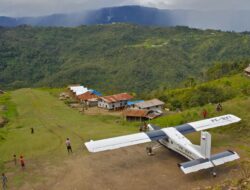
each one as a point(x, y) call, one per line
point(247, 71)
point(131, 104)
point(153, 104)
point(77, 90)
point(89, 98)
point(117, 101)
point(140, 114)
point(92, 102)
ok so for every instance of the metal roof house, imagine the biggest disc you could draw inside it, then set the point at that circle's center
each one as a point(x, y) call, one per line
point(247, 71)
point(153, 104)
point(113, 102)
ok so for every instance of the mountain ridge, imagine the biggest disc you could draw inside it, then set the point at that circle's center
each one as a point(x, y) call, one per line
point(219, 20)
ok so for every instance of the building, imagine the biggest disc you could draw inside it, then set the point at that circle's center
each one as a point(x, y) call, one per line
point(77, 90)
point(153, 104)
point(114, 102)
point(140, 115)
point(1, 92)
point(92, 102)
point(247, 71)
point(89, 98)
point(131, 104)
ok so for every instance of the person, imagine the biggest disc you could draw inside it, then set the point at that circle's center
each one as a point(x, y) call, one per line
point(219, 107)
point(145, 127)
point(68, 145)
point(32, 130)
point(4, 181)
point(14, 159)
point(204, 113)
point(22, 162)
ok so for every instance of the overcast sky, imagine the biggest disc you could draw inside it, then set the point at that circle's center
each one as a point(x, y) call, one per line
point(45, 7)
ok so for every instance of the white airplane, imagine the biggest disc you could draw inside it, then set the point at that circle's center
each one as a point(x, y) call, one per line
point(199, 155)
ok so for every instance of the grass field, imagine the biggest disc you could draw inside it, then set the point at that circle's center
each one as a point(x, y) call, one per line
point(53, 122)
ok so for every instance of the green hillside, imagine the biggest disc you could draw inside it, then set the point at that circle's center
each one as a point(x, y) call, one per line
point(113, 58)
point(214, 91)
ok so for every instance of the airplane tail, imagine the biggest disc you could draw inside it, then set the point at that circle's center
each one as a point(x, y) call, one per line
point(214, 160)
point(205, 146)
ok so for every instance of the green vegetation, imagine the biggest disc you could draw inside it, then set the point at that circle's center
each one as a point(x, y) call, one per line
point(211, 92)
point(113, 58)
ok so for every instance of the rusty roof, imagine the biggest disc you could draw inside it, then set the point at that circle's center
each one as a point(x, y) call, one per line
point(117, 97)
point(135, 113)
point(86, 96)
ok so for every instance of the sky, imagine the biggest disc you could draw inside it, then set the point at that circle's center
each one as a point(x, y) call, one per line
point(19, 8)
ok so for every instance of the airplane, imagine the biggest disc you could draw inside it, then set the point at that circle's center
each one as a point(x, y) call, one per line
point(173, 138)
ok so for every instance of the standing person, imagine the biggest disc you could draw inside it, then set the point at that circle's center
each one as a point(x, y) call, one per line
point(219, 107)
point(204, 113)
point(32, 130)
point(14, 159)
point(4, 181)
point(68, 145)
point(22, 162)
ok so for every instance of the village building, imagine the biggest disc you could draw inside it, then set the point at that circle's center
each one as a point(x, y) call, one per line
point(92, 102)
point(153, 104)
point(247, 71)
point(88, 98)
point(131, 104)
point(140, 115)
point(114, 102)
point(77, 90)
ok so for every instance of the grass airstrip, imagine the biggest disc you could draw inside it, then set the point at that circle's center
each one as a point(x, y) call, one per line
point(53, 121)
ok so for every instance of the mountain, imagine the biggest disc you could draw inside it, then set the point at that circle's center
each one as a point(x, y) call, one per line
point(113, 58)
point(221, 20)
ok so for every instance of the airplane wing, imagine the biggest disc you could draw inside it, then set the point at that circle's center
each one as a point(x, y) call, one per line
point(123, 141)
point(139, 138)
point(207, 124)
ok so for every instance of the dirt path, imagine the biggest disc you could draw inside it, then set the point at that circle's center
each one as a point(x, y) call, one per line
point(129, 168)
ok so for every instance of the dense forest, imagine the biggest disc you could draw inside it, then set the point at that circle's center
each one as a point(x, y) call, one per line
point(113, 58)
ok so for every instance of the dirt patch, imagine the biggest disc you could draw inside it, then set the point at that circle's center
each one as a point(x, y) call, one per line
point(129, 168)
point(100, 111)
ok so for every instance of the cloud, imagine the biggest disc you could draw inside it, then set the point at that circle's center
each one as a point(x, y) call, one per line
point(45, 7)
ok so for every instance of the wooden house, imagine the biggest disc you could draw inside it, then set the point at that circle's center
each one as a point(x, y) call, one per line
point(114, 102)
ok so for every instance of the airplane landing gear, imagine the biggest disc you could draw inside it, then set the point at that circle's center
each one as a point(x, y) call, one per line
point(213, 173)
point(149, 151)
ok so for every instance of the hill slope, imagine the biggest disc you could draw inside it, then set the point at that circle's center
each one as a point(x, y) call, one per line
point(117, 57)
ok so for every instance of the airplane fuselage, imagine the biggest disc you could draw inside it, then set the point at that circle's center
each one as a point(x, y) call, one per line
point(180, 144)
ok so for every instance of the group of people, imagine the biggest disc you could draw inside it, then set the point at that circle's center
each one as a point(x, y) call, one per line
point(21, 159)
point(22, 162)
point(218, 109)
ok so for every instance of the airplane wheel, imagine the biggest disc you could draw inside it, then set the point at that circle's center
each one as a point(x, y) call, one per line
point(214, 174)
point(149, 151)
